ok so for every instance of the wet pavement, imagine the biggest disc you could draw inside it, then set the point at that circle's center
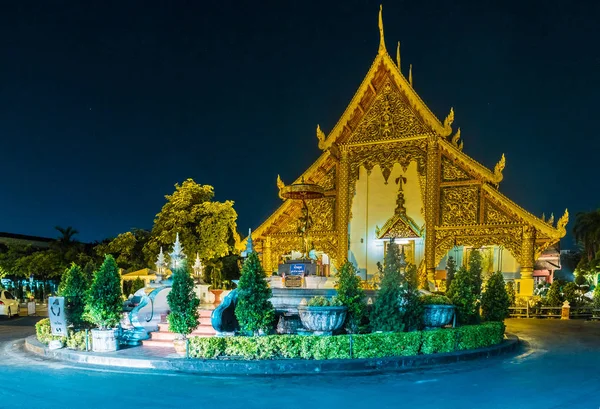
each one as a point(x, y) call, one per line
point(558, 369)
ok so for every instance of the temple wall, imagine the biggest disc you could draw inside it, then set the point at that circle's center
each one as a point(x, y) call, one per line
point(373, 204)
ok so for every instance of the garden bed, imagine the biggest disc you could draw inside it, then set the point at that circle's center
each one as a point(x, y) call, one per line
point(377, 345)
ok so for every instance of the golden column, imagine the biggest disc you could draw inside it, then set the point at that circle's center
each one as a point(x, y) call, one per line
point(527, 261)
point(267, 262)
point(342, 203)
point(432, 195)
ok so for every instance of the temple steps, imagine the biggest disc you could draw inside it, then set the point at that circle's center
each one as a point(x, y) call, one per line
point(163, 338)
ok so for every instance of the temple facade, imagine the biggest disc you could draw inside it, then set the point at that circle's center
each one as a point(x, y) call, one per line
point(390, 169)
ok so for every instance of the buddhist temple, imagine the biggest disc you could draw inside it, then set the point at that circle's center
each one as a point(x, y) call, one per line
point(390, 169)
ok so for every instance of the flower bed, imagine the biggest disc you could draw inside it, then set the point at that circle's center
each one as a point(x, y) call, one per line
point(74, 340)
point(378, 345)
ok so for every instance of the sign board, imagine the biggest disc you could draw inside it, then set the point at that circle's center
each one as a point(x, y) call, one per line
point(297, 269)
point(293, 281)
point(56, 314)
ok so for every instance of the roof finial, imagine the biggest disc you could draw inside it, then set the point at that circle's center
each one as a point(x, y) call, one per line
point(410, 75)
point(381, 39)
point(398, 56)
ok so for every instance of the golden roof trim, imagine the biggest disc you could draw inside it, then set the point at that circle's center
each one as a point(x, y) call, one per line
point(471, 164)
point(555, 233)
point(413, 98)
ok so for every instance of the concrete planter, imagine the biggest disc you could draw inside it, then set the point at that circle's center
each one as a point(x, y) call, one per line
point(180, 346)
point(105, 340)
point(437, 315)
point(322, 320)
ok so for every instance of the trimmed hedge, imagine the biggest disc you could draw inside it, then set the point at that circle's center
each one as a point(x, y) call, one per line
point(377, 345)
point(74, 340)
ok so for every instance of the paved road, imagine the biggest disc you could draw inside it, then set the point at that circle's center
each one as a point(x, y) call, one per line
point(561, 369)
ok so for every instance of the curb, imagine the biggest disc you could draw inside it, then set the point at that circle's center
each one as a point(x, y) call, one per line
point(224, 367)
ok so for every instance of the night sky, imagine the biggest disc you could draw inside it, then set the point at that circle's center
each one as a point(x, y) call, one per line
point(104, 106)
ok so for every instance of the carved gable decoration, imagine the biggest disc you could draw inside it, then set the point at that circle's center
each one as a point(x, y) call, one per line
point(399, 226)
point(321, 211)
point(453, 173)
point(390, 116)
point(493, 215)
point(459, 205)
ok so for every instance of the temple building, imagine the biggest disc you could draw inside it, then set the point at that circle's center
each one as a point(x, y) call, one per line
point(390, 169)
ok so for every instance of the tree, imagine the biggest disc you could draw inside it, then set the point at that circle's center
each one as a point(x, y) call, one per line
point(105, 298)
point(495, 300)
point(570, 293)
point(475, 269)
point(73, 287)
point(450, 271)
point(462, 294)
point(128, 249)
point(587, 232)
point(386, 315)
point(597, 297)
point(352, 296)
point(66, 246)
point(183, 303)
point(412, 308)
point(512, 294)
point(254, 311)
point(553, 297)
point(205, 226)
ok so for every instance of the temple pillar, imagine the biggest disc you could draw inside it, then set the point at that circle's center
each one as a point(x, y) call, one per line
point(432, 194)
point(342, 210)
point(527, 262)
point(267, 260)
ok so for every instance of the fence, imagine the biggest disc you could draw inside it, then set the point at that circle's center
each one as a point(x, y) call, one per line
point(553, 312)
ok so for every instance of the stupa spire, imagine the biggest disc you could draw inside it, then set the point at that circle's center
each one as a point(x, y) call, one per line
point(177, 255)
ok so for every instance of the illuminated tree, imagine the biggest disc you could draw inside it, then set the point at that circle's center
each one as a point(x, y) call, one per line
point(105, 298)
point(495, 300)
point(386, 315)
point(183, 303)
point(351, 295)
point(73, 287)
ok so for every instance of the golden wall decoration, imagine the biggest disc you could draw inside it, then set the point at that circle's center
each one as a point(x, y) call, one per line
point(283, 243)
point(460, 205)
point(452, 173)
point(432, 198)
point(493, 215)
point(478, 236)
point(389, 117)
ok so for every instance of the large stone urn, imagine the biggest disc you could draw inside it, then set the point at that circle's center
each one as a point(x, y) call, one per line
point(437, 315)
point(322, 320)
point(105, 340)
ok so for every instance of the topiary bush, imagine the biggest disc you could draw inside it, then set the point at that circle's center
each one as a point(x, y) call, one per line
point(462, 295)
point(74, 286)
point(450, 271)
point(320, 301)
point(352, 296)
point(253, 310)
point(105, 298)
point(183, 303)
point(386, 315)
point(495, 301)
point(412, 308)
point(553, 297)
point(570, 293)
point(512, 294)
point(435, 299)
point(43, 332)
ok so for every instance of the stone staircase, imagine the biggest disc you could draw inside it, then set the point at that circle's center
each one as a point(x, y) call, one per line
point(163, 338)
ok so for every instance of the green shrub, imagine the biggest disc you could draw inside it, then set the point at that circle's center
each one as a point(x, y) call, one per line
point(378, 345)
point(554, 297)
point(412, 308)
point(105, 298)
point(512, 294)
point(183, 303)
point(570, 293)
point(596, 303)
point(439, 341)
point(254, 311)
point(434, 299)
point(43, 332)
point(352, 296)
point(320, 301)
point(76, 340)
point(495, 301)
point(450, 271)
point(208, 348)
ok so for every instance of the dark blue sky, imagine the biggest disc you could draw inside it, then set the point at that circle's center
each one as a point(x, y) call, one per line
point(105, 105)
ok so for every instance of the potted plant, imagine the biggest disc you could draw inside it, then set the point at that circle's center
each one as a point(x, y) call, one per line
point(322, 315)
point(438, 311)
point(183, 303)
point(104, 306)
